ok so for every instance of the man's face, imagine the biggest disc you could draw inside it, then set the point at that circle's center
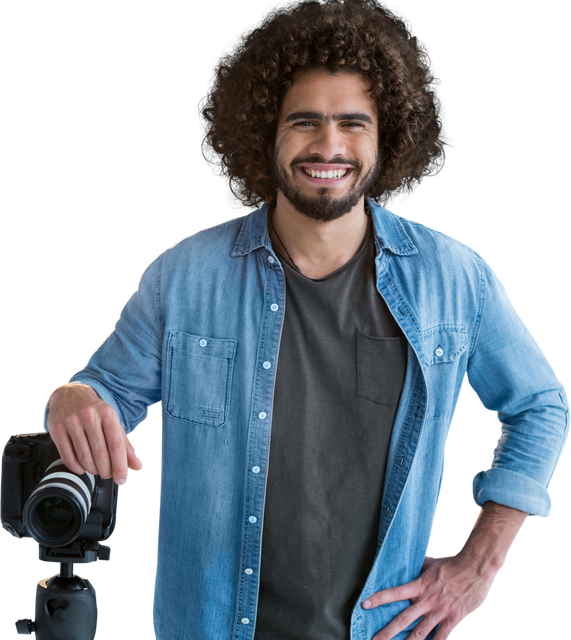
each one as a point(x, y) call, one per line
point(327, 126)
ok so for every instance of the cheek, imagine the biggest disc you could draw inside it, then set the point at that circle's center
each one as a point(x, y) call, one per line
point(367, 154)
point(367, 149)
point(281, 149)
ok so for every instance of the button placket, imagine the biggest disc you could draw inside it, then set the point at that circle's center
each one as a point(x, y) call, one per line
point(262, 416)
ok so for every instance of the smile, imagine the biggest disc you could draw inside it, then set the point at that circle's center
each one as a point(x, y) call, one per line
point(325, 175)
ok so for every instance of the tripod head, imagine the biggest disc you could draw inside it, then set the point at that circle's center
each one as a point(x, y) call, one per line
point(66, 604)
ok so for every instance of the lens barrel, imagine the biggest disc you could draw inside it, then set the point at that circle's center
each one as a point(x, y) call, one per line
point(57, 509)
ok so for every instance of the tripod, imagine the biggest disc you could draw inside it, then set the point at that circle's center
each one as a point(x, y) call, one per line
point(66, 606)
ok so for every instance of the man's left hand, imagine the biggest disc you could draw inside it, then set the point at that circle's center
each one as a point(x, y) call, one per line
point(445, 592)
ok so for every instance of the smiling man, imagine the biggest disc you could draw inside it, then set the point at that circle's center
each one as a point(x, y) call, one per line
point(326, 159)
point(309, 357)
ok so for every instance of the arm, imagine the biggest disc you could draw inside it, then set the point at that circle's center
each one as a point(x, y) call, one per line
point(492, 536)
point(124, 370)
point(512, 377)
point(448, 589)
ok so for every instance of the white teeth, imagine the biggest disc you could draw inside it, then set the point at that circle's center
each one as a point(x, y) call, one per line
point(337, 173)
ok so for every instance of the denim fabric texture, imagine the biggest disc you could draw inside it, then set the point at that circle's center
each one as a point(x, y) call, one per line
point(208, 313)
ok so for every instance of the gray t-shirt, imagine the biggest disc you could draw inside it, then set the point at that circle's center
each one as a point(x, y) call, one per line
point(341, 370)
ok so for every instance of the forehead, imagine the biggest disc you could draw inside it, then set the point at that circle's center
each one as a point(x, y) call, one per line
point(319, 90)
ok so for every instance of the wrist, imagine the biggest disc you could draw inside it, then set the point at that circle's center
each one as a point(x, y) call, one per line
point(67, 385)
point(490, 540)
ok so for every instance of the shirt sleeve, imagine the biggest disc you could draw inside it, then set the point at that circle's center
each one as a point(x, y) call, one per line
point(126, 370)
point(511, 375)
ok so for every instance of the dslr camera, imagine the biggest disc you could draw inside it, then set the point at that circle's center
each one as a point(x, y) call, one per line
point(68, 515)
point(44, 500)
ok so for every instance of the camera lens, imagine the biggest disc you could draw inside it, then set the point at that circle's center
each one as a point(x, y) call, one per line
point(58, 507)
point(55, 515)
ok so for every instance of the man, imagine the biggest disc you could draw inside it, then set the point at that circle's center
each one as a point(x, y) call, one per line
point(309, 357)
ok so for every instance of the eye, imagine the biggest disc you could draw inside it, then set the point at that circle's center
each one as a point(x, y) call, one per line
point(353, 125)
point(303, 123)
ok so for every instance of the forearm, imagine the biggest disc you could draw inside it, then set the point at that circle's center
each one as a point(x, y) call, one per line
point(495, 529)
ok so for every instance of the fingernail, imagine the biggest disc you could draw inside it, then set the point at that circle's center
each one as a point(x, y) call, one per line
point(121, 481)
point(366, 604)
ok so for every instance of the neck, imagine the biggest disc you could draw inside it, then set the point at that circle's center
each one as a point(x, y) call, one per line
point(317, 248)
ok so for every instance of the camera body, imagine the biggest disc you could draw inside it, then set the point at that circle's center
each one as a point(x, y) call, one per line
point(42, 499)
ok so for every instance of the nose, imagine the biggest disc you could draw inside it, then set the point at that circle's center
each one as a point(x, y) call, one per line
point(327, 142)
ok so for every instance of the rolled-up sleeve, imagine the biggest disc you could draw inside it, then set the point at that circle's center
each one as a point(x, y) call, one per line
point(126, 370)
point(511, 375)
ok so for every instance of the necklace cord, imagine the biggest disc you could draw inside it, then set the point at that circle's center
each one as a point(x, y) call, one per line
point(283, 245)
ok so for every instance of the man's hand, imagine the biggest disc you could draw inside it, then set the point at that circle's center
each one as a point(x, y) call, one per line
point(447, 590)
point(88, 434)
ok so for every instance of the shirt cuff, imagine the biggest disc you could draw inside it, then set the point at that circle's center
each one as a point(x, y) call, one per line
point(511, 489)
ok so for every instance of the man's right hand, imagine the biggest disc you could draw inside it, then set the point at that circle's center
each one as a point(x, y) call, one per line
point(88, 434)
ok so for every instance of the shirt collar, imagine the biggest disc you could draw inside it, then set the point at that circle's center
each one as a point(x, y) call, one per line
point(389, 232)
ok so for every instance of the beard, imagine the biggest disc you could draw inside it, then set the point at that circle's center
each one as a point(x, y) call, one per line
point(324, 206)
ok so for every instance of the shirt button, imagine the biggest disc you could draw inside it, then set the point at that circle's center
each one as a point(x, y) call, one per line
point(274, 307)
point(271, 260)
point(256, 469)
point(245, 621)
point(203, 342)
point(249, 572)
point(439, 352)
point(266, 365)
point(253, 519)
point(261, 415)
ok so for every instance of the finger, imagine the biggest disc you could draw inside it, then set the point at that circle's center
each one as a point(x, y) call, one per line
point(99, 451)
point(114, 437)
point(393, 594)
point(445, 633)
point(82, 449)
point(402, 622)
point(132, 461)
point(424, 628)
point(66, 451)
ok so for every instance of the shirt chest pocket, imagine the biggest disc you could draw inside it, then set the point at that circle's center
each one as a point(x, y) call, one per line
point(442, 347)
point(199, 377)
point(381, 368)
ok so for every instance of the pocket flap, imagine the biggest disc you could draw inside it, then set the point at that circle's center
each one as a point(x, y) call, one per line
point(444, 343)
point(203, 346)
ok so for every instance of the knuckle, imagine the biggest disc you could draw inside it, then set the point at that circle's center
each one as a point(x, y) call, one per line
point(106, 411)
point(86, 414)
point(58, 430)
point(116, 445)
point(100, 453)
point(457, 617)
point(83, 457)
point(418, 634)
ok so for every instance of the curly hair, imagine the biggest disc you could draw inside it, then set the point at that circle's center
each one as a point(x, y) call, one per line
point(241, 111)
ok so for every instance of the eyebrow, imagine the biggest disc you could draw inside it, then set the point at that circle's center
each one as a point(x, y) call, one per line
point(317, 115)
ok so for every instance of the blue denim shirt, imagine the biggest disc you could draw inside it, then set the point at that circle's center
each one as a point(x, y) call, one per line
point(209, 312)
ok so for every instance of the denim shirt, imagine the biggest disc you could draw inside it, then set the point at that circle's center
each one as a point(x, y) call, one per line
point(198, 334)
